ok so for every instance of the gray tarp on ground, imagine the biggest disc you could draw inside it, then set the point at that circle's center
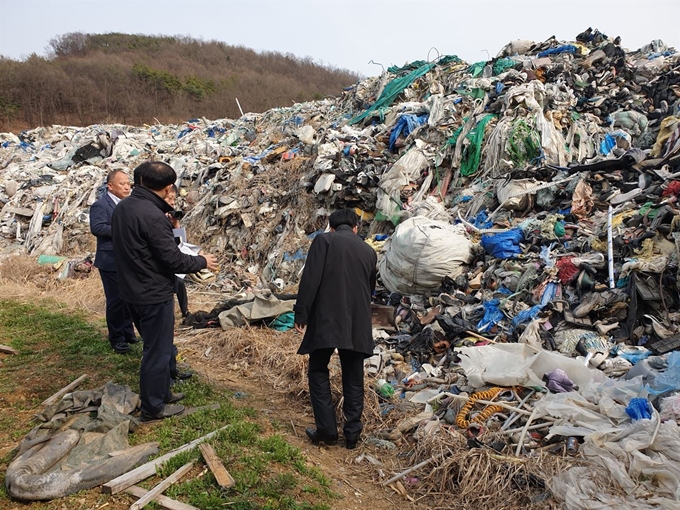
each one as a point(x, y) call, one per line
point(260, 308)
point(71, 451)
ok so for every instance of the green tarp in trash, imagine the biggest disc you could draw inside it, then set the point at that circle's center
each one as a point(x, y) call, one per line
point(397, 86)
point(472, 152)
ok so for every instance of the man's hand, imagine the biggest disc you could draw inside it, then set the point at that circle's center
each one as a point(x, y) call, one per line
point(299, 328)
point(211, 262)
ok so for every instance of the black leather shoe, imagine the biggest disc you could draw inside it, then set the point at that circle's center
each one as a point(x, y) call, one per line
point(133, 340)
point(351, 444)
point(121, 348)
point(316, 438)
point(174, 397)
point(167, 412)
point(181, 376)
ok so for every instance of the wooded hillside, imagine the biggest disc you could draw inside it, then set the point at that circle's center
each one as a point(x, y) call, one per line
point(134, 79)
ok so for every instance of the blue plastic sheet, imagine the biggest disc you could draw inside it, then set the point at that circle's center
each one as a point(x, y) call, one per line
point(668, 380)
point(406, 124)
point(546, 257)
point(639, 409)
point(482, 220)
point(634, 357)
point(607, 144)
point(492, 315)
point(527, 315)
point(503, 245)
point(567, 48)
point(298, 255)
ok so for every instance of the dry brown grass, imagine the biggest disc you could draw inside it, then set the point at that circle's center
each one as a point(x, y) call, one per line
point(21, 277)
point(460, 477)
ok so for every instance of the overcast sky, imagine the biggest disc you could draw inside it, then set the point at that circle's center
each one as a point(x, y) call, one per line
point(345, 34)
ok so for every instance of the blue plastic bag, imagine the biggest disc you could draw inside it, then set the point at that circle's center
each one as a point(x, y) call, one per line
point(482, 220)
point(503, 245)
point(492, 315)
point(669, 380)
point(639, 409)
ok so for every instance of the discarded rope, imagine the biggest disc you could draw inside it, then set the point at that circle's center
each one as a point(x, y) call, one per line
point(462, 417)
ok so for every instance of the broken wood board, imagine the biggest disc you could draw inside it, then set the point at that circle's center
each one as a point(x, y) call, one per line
point(57, 396)
point(164, 501)
point(162, 486)
point(149, 469)
point(6, 349)
point(224, 479)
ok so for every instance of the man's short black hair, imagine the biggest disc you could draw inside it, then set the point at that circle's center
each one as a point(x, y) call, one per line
point(112, 174)
point(343, 217)
point(154, 175)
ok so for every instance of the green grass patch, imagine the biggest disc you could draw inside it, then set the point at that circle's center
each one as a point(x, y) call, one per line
point(56, 347)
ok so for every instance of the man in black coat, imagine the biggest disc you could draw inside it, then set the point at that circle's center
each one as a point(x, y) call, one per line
point(334, 303)
point(118, 318)
point(148, 258)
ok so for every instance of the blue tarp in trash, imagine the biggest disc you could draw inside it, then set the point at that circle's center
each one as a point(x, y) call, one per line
point(567, 48)
point(492, 315)
point(481, 220)
point(668, 380)
point(406, 124)
point(526, 315)
point(503, 245)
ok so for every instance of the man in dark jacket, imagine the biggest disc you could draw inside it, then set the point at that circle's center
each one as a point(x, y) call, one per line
point(118, 318)
point(334, 303)
point(148, 258)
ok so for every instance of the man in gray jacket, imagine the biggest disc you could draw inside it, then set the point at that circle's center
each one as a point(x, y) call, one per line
point(334, 304)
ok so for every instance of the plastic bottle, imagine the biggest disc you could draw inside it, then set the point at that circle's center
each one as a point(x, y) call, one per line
point(384, 389)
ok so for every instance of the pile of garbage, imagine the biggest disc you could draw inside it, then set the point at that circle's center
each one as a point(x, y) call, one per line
point(524, 211)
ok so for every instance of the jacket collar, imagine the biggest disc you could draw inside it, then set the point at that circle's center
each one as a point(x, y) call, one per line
point(147, 194)
point(343, 228)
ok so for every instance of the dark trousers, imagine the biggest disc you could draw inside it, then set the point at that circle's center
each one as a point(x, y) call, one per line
point(173, 362)
point(182, 299)
point(118, 317)
point(352, 364)
point(157, 325)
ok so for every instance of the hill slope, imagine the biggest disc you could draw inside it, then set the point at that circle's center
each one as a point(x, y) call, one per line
point(92, 78)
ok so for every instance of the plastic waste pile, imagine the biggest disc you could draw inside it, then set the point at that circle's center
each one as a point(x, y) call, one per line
point(527, 202)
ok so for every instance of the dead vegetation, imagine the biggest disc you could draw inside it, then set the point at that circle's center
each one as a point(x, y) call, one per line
point(21, 278)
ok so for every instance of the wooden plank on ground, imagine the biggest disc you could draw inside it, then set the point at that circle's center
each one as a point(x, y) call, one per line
point(164, 501)
point(222, 476)
point(55, 398)
point(6, 349)
point(162, 486)
point(149, 469)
